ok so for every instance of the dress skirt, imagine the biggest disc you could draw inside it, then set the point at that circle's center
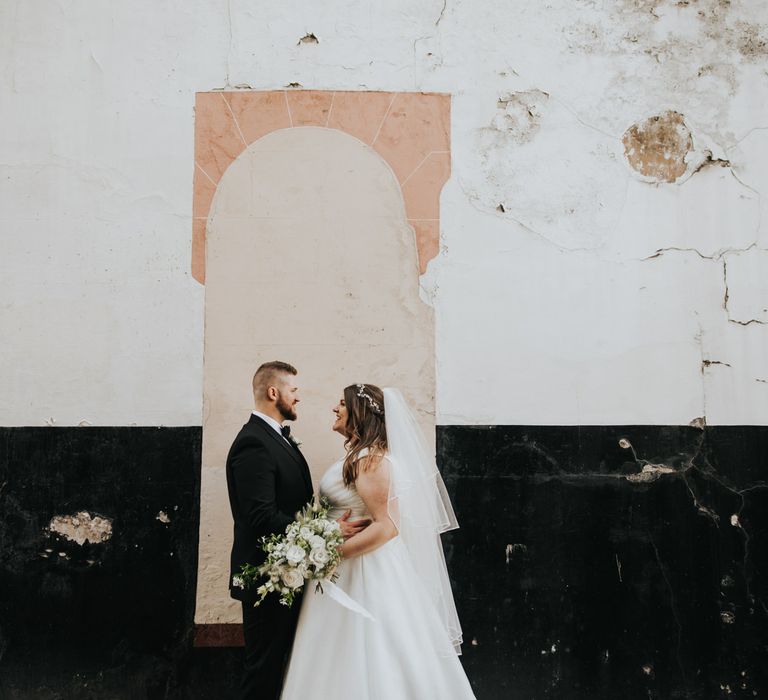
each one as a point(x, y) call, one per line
point(403, 653)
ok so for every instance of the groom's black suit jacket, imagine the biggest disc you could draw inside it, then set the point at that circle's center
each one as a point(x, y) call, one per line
point(268, 482)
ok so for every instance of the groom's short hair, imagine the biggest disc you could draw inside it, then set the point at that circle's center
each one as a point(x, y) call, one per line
point(267, 374)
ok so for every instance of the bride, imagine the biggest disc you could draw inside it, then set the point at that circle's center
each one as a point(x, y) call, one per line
point(399, 635)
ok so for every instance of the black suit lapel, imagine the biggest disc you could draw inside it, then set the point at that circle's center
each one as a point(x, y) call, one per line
point(294, 452)
point(304, 468)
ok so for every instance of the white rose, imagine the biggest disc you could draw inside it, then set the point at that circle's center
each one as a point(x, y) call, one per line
point(319, 557)
point(316, 542)
point(292, 578)
point(294, 554)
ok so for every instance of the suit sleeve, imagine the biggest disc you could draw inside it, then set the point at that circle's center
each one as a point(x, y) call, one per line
point(255, 475)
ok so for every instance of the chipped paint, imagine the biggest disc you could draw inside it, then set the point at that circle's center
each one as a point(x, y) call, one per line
point(519, 114)
point(82, 527)
point(513, 550)
point(650, 472)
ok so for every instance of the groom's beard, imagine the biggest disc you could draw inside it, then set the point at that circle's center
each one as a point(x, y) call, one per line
point(287, 411)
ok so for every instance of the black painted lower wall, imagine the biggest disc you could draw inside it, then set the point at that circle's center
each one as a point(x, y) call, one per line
point(583, 569)
point(588, 570)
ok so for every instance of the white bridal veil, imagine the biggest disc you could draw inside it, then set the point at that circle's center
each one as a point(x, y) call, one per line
point(419, 506)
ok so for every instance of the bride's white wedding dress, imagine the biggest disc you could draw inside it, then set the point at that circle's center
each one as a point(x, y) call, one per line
point(403, 653)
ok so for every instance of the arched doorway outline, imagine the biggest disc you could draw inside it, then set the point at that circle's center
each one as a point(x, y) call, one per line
point(220, 628)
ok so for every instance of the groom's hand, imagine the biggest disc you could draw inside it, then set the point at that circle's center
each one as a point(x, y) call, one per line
point(351, 528)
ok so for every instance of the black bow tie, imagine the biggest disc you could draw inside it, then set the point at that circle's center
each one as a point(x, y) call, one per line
point(286, 431)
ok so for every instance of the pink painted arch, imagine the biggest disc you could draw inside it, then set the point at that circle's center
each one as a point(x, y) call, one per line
point(411, 131)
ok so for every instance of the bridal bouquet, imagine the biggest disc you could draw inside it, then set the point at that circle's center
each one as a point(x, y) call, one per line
point(308, 551)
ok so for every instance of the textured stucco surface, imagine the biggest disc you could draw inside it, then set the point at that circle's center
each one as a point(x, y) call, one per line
point(570, 287)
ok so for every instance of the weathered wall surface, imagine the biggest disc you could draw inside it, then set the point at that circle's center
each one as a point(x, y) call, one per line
point(602, 262)
point(608, 164)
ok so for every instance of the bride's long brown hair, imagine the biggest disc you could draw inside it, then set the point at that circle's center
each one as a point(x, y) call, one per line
point(365, 428)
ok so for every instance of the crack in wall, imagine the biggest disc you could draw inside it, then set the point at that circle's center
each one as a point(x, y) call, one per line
point(737, 521)
point(719, 255)
point(726, 295)
point(673, 607)
point(442, 13)
point(650, 472)
point(709, 363)
point(709, 161)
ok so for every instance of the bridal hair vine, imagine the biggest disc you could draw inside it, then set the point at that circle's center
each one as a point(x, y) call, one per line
point(363, 395)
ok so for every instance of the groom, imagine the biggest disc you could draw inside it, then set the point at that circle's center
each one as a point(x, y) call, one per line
point(268, 482)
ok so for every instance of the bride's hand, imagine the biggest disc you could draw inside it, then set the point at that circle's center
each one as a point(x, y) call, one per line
point(350, 528)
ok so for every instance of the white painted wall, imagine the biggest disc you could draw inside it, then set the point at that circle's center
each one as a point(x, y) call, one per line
point(551, 312)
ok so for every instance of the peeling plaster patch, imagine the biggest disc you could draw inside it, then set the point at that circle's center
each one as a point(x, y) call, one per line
point(514, 549)
point(665, 51)
point(658, 146)
point(162, 516)
point(82, 527)
point(519, 114)
point(530, 159)
point(585, 37)
point(308, 39)
point(650, 472)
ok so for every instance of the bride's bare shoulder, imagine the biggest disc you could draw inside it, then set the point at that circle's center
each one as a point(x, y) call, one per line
point(373, 461)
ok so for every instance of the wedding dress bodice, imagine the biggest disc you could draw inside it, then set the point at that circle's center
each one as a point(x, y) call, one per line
point(341, 497)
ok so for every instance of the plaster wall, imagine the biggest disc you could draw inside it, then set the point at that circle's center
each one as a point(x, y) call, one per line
point(583, 275)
